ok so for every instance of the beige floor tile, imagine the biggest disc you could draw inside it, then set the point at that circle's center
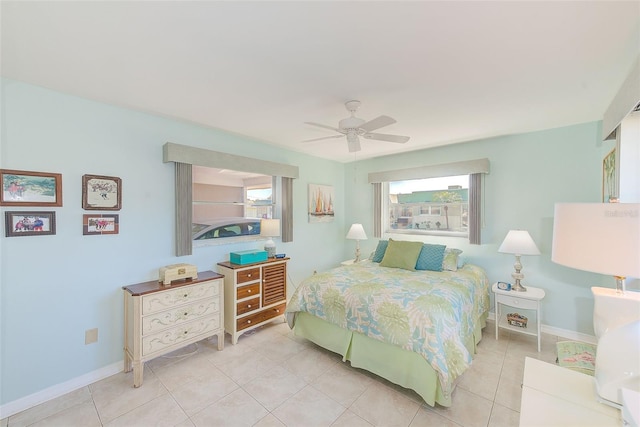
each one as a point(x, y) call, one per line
point(342, 383)
point(502, 416)
point(204, 391)
point(160, 412)
point(310, 363)
point(310, 408)
point(468, 409)
point(350, 419)
point(269, 421)
point(274, 387)
point(50, 408)
point(481, 378)
point(382, 406)
point(234, 410)
point(247, 368)
point(185, 371)
point(280, 348)
point(84, 414)
point(509, 393)
point(426, 417)
point(116, 395)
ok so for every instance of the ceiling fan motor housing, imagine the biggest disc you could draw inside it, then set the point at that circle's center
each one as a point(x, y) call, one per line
point(351, 123)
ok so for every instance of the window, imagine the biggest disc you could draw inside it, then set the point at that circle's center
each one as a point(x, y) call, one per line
point(428, 206)
point(462, 215)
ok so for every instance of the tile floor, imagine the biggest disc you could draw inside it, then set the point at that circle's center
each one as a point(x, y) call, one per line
point(272, 378)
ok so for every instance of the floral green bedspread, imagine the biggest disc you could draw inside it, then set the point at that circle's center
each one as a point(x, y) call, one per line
point(431, 313)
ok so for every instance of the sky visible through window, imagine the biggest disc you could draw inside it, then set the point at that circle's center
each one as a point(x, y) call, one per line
point(429, 184)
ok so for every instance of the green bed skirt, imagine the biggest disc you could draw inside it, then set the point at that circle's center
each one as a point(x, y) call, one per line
point(402, 367)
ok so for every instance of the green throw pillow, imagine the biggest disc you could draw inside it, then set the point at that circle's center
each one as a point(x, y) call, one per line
point(401, 254)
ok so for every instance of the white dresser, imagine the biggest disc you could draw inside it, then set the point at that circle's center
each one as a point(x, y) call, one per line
point(557, 396)
point(162, 318)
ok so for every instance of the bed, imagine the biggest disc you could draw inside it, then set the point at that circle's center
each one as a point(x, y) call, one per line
point(416, 328)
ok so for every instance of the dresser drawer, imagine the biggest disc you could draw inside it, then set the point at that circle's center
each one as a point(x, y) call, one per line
point(248, 305)
point(262, 316)
point(248, 291)
point(179, 334)
point(517, 302)
point(168, 299)
point(159, 321)
point(248, 275)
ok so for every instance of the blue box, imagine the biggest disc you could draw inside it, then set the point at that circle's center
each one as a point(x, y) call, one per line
point(247, 257)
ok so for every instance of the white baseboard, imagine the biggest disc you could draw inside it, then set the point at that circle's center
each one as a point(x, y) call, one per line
point(559, 332)
point(58, 390)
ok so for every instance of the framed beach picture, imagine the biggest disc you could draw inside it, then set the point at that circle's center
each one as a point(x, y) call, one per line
point(320, 205)
point(100, 224)
point(101, 193)
point(25, 188)
point(609, 178)
point(29, 223)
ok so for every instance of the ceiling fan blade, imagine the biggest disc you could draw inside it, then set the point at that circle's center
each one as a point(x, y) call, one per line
point(384, 137)
point(377, 123)
point(324, 137)
point(324, 126)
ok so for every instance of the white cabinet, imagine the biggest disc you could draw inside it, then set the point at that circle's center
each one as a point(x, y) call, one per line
point(521, 302)
point(556, 396)
point(163, 318)
point(254, 294)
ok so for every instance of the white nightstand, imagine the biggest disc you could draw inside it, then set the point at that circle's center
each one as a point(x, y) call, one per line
point(529, 300)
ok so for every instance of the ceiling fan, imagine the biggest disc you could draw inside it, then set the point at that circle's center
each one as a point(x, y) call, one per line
point(354, 128)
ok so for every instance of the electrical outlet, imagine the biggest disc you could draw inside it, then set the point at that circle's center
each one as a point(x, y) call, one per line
point(91, 336)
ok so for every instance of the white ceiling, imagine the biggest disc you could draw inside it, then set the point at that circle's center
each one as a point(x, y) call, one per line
point(448, 72)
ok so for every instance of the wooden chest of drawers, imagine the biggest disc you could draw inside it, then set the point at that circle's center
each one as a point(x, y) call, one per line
point(160, 319)
point(254, 294)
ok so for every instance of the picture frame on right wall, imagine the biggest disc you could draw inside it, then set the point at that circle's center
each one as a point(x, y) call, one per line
point(101, 192)
point(609, 174)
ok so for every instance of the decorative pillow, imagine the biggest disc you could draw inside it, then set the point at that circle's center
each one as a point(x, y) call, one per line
point(451, 259)
point(380, 250)
point(401, 254)
point(431, 257)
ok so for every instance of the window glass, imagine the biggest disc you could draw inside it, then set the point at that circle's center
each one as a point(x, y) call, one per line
point(428, 206)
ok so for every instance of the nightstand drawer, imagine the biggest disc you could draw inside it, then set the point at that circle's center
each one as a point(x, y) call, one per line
point(267, 314)
point(248, 291)
point(248, 275)
point(166, 319)
point(515, 301)
point(248, 305)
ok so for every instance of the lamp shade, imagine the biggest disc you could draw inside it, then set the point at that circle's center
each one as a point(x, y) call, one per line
point(519, 242)
point(598, 237)
point(270, 227)
point(356, 232)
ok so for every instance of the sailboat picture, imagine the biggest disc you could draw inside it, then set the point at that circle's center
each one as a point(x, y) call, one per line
point(321, 199)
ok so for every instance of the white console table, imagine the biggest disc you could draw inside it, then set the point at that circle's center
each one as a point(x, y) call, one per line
point(556, 396)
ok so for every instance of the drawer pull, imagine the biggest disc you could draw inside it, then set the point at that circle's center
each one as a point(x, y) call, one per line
point(248, 321)
point(186, 295)
point(249, 275)
point(185, 313)
point(248, 305)
point(277, 311)
point(186, 332)
point(249, 291)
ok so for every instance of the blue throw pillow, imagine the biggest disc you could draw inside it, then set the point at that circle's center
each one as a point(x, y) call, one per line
point(380, 250)
point(431, 257)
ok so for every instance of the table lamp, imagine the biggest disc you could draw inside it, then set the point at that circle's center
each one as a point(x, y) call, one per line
point(270, 228)
point(598, 237)
point(356, 232)
point(518, 242)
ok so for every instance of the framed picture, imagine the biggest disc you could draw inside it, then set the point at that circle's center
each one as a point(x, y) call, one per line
point(609, 183)
point(29, 223)
point(320, 206)
point(101, 193)
point(100, 224)
point(24, 188)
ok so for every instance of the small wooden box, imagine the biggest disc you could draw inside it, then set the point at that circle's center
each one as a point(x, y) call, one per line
point(515, 319)
point(177, 272)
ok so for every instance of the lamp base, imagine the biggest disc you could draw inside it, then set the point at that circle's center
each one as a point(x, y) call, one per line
point(270, 247)
point(517, 276)
point(518, 287)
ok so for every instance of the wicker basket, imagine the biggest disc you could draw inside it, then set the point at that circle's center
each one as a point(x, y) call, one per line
point(515, 319)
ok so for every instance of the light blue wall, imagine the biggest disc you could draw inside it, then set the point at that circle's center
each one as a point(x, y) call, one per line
point(529, 173)
point(53, 288)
